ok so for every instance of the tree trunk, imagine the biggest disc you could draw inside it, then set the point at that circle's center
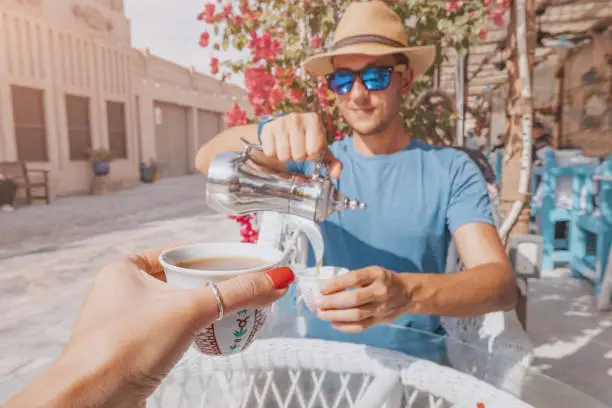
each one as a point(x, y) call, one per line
point(558, 105)
point(462, 90)
point(514, 148)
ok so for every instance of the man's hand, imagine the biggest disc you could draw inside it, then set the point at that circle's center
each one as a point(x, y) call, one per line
point(378, 296)
point(298, 137)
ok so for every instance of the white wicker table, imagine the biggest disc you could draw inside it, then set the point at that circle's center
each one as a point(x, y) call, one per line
point(295, 372)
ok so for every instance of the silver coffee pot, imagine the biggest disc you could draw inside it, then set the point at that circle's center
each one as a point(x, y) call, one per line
point(239, 183)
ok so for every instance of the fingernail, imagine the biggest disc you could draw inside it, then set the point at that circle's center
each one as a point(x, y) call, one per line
point(281, 277)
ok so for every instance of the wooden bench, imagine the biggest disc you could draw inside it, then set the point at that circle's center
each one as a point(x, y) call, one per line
point(34, 182)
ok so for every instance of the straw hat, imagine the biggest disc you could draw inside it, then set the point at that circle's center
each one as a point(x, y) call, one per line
point(371, 28)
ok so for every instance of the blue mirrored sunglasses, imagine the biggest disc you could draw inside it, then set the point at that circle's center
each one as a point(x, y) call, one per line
point(373, 78)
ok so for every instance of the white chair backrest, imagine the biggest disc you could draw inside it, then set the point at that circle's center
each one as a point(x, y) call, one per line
point(510, 351)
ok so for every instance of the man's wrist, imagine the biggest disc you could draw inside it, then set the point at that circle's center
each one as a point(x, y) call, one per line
point(421, 290)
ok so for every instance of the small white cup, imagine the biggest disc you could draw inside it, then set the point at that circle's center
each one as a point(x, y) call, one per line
point(310, 283)
point(233, 333)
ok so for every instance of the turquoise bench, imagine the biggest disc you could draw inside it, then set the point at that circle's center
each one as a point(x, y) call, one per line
point(590, 261)
point(553, 202)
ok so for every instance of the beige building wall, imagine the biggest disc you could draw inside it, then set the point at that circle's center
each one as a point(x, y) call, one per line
point(82, 48)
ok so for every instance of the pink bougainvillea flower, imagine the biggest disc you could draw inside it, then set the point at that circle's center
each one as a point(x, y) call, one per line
point(503, 3)
point(482, 34)
point(321, 93)
point(235, 116)
point(295, 95)
point(208, 15)
point(259, 82)
point(498, 17)
point(204, 39)
point(453, 6)
point(315, 42)
point(289, 76)
point(214, 65)
point(279, 72)
point(263, 47)
point(227, 10)
point(244, 7)
point(238, 20)
point(276, 97)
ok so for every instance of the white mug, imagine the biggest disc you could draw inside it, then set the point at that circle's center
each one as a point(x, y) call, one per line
point(232, 334)
point(310, 281)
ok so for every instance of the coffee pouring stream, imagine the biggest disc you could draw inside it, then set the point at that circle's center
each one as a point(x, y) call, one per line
point(240, 184)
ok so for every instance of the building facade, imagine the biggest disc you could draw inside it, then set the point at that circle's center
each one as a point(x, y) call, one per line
point(70, 81)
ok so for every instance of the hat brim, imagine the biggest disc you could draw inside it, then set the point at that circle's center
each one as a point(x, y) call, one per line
point(421, 58)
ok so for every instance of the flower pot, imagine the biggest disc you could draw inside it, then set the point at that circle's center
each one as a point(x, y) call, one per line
point(101, 168)
point(148, 174)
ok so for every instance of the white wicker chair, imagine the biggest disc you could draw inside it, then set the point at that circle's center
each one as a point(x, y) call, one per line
point(311, 373)
point(510, 351)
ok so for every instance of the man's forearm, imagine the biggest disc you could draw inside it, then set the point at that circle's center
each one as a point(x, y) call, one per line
point(475, 291)
point(228, 140)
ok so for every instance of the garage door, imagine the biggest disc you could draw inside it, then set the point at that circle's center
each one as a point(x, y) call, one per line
point(209, 126)
point(171, 139)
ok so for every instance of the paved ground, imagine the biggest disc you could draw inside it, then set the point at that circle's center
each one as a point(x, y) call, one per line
point(50, 254)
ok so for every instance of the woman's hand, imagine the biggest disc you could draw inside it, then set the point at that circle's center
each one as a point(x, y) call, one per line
point(132, 330)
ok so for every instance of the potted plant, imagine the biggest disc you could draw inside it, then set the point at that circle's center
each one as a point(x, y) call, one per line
point(149, 171)
point(100, 160)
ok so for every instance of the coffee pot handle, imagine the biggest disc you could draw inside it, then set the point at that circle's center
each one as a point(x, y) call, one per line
point(248, 146)
point(319, 172)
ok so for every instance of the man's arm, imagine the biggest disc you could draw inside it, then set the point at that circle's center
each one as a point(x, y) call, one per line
point(487, 282)
point(486, 285)
point(380, 295)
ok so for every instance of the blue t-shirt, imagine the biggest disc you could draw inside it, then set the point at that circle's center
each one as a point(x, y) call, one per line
point(416, 199)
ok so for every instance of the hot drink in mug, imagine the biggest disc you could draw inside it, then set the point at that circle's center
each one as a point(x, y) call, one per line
point(193, 266)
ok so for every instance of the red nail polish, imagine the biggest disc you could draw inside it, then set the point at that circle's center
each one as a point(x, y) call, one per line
point(281, 277)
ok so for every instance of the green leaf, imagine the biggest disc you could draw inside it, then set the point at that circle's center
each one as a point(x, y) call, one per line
point(444, 24)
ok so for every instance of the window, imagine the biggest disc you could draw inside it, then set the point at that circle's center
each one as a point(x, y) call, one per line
point(116, 129)
point(79, 131)
point(30, 129)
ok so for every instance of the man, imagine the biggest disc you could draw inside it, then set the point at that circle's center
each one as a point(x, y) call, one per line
point(418, 196)
point(541, 140)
